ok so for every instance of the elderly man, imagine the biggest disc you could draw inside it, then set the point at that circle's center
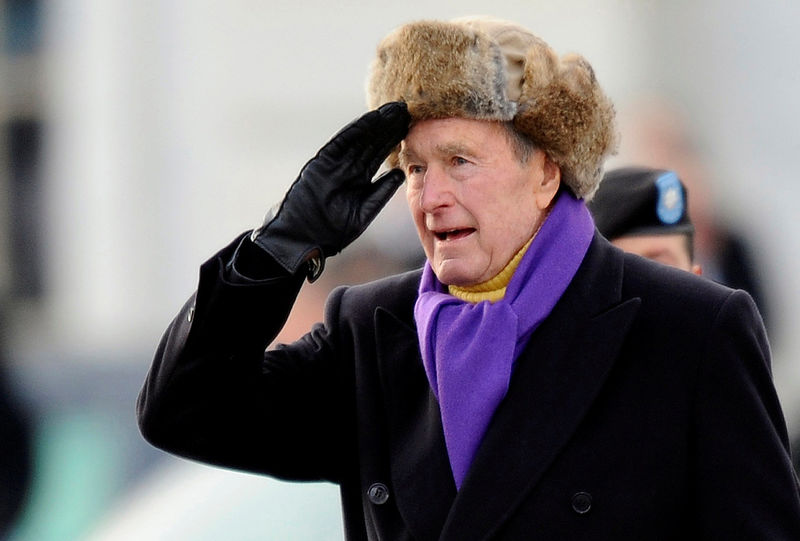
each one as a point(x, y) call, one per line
point(531, 381)
point(644, 211)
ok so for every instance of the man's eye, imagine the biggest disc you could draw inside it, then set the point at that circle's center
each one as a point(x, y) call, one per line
point(458, 160)
point(415, 169)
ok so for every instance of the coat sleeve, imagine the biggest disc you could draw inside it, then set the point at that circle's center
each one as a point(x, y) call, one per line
point(746, 487)
point(215, 395)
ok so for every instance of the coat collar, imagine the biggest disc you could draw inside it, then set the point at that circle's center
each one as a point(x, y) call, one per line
point(554, 383)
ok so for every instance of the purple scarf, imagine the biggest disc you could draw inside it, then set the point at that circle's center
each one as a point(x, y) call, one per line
point(469, 349)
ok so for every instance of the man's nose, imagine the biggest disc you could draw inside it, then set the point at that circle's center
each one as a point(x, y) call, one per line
point(436, 190)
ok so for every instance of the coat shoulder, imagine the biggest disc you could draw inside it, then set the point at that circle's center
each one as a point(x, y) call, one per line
point(676, 297)
point(643, 275)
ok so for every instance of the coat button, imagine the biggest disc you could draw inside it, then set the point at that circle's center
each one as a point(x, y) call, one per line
point(378, 493)
point(581, 502)
point(190, 315)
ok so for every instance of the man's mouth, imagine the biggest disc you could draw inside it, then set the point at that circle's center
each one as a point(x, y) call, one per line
point(453, 234)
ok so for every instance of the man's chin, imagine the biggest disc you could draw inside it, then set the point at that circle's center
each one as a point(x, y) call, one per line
point(455, 273)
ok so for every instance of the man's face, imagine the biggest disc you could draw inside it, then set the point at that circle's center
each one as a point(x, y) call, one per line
point(668, 249)
point(474, 203)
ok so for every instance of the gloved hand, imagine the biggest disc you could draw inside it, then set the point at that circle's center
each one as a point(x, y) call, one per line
point(334, 198)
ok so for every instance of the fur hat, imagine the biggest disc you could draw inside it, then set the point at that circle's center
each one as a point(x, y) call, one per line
point(490, 69)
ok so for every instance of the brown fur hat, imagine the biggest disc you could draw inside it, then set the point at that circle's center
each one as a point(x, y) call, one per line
point(490, 69)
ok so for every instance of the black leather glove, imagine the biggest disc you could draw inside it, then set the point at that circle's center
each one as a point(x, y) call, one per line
point(334, 199)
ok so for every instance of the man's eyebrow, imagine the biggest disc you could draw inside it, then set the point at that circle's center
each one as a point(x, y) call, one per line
point(449, 149)
point(405, 155)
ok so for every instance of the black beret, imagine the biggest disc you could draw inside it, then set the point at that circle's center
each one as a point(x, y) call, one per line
point(640, 201)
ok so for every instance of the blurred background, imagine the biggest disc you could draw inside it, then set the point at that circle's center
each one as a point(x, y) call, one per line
point(137, 138)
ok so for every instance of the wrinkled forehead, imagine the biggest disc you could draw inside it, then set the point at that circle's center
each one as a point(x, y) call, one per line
point(450, 136)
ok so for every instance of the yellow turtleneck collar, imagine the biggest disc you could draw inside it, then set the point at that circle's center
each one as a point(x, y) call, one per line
point(493, 289)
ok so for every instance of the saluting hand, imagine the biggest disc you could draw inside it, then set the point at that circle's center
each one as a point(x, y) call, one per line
point(335, 198)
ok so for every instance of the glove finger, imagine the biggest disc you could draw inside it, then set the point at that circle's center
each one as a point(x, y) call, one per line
point(379, 193)
point(395, 120)
point(366, 142)
point(390, 135)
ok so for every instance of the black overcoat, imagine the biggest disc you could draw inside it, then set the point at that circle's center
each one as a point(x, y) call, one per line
point(642, 408)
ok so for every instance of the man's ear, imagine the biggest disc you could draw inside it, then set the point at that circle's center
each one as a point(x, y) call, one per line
point(549, 184)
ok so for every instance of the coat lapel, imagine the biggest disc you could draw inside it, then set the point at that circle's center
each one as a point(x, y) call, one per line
point(423, 483)
point(554, 383)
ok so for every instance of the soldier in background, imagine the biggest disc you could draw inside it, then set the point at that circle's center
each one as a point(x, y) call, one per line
point(657, 134)
point(645, 211)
